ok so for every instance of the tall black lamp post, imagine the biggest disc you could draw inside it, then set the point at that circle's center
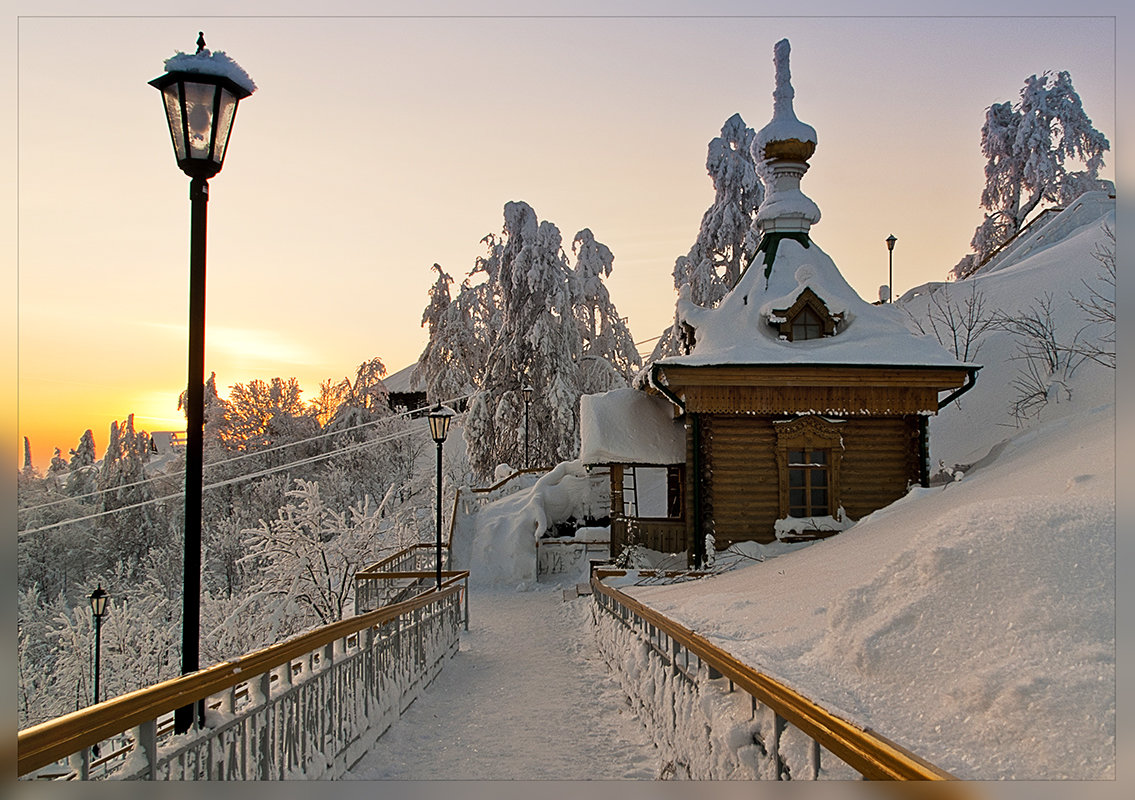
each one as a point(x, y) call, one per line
point(439, 427)
point(527, 392)
point(98, 608)
point(891, 268)
point(200, 94)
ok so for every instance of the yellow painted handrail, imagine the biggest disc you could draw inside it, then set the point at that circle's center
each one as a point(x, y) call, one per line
point(58, 738)
point(873, 755)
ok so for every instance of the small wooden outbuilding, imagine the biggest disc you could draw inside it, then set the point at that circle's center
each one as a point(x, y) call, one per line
point(795, 408)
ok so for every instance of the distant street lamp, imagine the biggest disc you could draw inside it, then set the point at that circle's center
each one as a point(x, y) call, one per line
point(439, 426)
point(891, 268)
point(200, 94)
point(527, 392)
point(98, 608)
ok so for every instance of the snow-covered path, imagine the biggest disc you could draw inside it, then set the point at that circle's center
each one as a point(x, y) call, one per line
point(526, 697)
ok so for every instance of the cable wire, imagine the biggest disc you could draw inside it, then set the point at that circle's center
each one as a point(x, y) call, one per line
point(224, 461)
point(261, 473)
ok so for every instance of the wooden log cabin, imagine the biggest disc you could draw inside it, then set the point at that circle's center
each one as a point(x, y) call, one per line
point(793, 408)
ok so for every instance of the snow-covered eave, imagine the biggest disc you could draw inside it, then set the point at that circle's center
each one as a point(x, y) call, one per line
point(629, 426)
point(686, 363)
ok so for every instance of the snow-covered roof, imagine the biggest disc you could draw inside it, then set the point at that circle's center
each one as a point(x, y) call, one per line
point(1087, 209)
point(626, 426)
point(211, 63)
point(400, 380)
point(738, 330)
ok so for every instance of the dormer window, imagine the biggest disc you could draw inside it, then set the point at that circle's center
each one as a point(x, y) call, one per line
point(807, 318)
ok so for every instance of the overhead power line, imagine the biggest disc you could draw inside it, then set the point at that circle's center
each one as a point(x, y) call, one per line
point(222, 462)
point(249, 476)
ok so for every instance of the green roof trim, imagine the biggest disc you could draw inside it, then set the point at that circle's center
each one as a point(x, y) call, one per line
point(770, 241)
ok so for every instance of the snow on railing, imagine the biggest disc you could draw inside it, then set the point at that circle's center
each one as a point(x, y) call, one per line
point(721, 718)
point(305, 708)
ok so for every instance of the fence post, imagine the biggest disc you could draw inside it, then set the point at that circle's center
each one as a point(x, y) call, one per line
point(262, 747)
point(83, 768)
point(814, 760)
point(778, 724)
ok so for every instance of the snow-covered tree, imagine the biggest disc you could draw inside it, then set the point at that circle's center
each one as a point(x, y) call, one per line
point(454, 359)
point(609, 357)
point(259, 414)
point(308, 556)
point(1029, 146)
point(726, 240)
point(538, 344)
point(332, 395)
point(57, 469)
point(84, 454)
point(29, 470)
point(129, 533)
point(524, 316)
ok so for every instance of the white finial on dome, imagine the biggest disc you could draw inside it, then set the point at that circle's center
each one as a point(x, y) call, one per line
point(783, 93)
point(787, 135)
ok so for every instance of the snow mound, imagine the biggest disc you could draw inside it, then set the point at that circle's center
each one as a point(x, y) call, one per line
point(499, 547)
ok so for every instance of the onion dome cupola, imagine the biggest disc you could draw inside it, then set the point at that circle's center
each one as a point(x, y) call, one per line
point(784, 145)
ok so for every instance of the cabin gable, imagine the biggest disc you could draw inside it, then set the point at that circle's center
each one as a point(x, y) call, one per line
point(807, 318)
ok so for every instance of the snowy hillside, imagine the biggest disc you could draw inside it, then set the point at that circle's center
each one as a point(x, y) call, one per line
point(973, 622)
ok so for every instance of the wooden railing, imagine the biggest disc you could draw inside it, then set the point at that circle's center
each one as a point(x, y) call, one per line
point(663, 535)
point(303, 708)
point(375, 587)
point(872, 755)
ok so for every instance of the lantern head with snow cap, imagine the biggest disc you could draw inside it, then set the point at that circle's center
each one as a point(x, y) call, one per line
point(201, 92)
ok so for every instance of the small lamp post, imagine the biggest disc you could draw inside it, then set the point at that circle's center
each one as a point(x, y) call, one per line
point(200, 93)
point(439, 418)
point(98, 608)
point(891, 268)
point(527, 391)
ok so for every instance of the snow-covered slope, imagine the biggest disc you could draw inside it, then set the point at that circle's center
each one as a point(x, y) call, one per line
point(974, 622)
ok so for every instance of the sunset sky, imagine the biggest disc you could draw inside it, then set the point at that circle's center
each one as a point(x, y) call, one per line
point(378, 145)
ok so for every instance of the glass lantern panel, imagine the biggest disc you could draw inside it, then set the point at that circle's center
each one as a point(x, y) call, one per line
point(199, 113)
point(224, 125)
point(173, 116)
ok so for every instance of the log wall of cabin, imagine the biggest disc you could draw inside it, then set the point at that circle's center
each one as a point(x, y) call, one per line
point(742, 487)
point(743, 484)
point(880, 460)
